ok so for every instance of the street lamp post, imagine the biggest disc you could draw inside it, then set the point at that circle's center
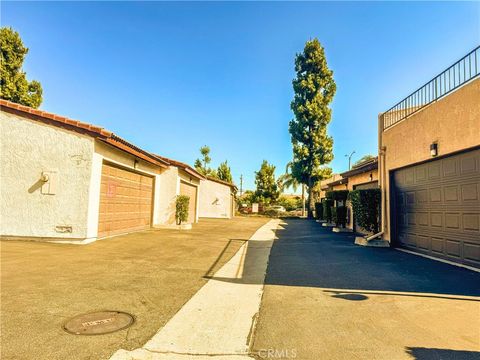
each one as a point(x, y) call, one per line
point(350, 158)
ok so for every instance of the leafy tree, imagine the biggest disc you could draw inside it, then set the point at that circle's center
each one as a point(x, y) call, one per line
point(314, 89)
point(289, 203)
point(14, 85)
point(224, 172)
point(247, 198)
point(364, 159)
point(201, 165)
point(267, 188)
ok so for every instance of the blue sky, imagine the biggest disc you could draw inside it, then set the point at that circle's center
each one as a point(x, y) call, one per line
point(171, 77)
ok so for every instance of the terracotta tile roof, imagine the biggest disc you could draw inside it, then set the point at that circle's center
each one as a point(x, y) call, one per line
point(81, 127)
point(185, 167)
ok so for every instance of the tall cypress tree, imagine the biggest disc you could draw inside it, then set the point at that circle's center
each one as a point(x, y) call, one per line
point(314, 89)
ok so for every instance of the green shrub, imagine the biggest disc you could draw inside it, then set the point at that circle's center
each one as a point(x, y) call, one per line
point(319, 210)
point(339, 211)
point(181, 208)
point(341, 216)
point(366, 208)
point(288, 203)
point(327, 209)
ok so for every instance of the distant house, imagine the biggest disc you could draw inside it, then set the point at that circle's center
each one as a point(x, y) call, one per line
point(67, 180)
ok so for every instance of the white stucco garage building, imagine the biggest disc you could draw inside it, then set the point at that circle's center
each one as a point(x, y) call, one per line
point(217, 198)
point(62, 179)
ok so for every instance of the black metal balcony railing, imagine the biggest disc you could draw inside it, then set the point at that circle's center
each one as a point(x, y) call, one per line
point(455, 76)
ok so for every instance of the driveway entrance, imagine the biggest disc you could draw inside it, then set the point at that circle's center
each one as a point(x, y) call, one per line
point(326, 298)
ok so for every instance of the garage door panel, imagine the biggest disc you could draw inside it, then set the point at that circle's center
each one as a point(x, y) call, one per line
point(469, 164)
point(433, 171)
point(125, 201)
point(438, 245)
point(471, 222)
point(437, 208)
point(470, 192)
point(436, 219)
point(423, 242)
point(472, 251)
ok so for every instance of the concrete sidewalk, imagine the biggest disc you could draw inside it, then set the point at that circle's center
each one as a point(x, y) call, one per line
point(149, 274)
point(218, 321)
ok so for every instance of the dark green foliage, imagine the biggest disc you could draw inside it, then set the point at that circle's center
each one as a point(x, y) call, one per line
point(366, 208)
point(327, 209)
point(319, 210)
point(289, 203)
point(334, 215)
point(341, 216)
point(338, 199)
point(247, 198)
point(181, 208)
point(267, 189)
point(224, 172)
point(314, 89)
point(287, 180)
point(14, 85)
point(201, 165)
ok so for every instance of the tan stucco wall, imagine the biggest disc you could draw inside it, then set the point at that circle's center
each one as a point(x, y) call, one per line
point(29, 148)
point(453, 122)
point(340, 187)
point(215, 200)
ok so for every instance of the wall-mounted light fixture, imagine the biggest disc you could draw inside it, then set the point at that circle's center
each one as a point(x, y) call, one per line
point(371, 177)
point(434, 149)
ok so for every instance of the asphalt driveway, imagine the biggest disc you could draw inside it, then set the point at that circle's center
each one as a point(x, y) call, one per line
point(149, 274)
point(326, 298)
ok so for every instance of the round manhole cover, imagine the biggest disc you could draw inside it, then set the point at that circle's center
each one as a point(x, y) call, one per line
point(96, 323)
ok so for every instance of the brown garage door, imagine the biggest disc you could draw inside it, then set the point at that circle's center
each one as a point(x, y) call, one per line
point(191, 191)
point(437, 208)
point(125, 201)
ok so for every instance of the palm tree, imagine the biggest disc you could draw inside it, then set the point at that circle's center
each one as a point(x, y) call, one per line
point(287, 180)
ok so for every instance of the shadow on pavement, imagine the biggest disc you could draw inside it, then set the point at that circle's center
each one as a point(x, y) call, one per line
point(443, 354)
point(306, 254)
